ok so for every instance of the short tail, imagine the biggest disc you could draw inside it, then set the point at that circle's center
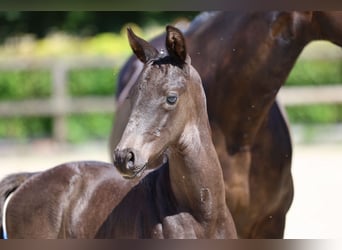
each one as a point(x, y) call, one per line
point(7, 186)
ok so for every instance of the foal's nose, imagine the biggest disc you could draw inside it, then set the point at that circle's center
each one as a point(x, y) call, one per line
point(124, 159)
point(129, 162)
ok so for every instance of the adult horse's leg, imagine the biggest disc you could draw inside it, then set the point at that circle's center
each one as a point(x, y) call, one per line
point(245, 173)
point(274, 164)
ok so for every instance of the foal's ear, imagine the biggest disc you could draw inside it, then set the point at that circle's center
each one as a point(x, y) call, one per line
point(175, 43)
point(142, 49)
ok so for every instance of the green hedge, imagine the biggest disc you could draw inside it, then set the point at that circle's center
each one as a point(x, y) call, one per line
point(25, 128)
point(318, 72)
point(90, 126)
point(101, 82)
point(315, 114)
point(19, 85)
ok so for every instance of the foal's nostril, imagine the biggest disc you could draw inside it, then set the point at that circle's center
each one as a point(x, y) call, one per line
point(130, 160)
point(124, 160)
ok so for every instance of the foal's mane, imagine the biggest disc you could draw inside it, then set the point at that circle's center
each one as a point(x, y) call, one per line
point(164, 59)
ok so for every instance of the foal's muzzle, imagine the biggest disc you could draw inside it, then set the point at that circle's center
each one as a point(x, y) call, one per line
point(129, 162)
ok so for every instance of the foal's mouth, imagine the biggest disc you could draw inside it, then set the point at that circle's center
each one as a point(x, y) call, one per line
point(137, 172)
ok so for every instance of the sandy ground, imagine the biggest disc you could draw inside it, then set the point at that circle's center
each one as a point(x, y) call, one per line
point(317, 172)
point(317, 205)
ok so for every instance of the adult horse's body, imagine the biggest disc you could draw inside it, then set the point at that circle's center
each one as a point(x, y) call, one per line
point(184, 198)
point(243, 60)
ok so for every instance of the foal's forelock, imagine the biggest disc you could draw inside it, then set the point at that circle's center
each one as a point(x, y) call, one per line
point(161, 75)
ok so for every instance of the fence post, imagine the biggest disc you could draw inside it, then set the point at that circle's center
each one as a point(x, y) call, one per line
point(59, 100)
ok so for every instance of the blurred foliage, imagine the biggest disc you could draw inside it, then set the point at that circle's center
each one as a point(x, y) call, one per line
point(80, 127)
point(19, 85)
point(37, 84)
point(315, 114)
point(85, 82)
point(89, 126)
point(66, 45)
point(22, 128)
point(107, 44)
point(81, 23)
point(61, 34)
point(315, 72)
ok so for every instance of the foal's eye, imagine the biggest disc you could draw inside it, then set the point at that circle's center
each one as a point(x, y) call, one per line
point(171, 99)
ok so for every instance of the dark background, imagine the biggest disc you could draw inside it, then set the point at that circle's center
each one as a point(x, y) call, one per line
point(82, 23)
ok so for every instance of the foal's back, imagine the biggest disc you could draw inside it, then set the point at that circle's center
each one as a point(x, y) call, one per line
point(71, 200)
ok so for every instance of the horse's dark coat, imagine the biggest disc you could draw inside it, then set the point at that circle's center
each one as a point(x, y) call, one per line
point(243, 59)
point(184, 198)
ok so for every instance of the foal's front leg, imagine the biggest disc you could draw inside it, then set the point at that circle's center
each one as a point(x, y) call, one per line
point(179, 226)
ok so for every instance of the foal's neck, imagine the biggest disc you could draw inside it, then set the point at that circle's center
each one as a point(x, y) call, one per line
point(196, 175)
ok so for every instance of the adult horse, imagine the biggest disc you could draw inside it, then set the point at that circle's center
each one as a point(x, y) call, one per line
point(184, 198)
point(243, 60)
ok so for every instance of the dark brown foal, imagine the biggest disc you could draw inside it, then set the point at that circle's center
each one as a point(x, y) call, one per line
point(184, 198)
point(243, 59)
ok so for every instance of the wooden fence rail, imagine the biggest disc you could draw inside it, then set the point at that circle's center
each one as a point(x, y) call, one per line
point(60, 104)
point(308, 95)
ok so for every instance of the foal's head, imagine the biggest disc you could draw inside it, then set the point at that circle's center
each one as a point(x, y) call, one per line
point(166, 97)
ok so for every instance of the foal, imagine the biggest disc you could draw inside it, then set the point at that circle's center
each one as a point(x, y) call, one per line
point(169, 116)
point(184, 198)
point(243, 59)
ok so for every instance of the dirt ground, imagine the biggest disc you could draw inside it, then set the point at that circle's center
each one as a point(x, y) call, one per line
point(317, 172)
point(317, 205)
